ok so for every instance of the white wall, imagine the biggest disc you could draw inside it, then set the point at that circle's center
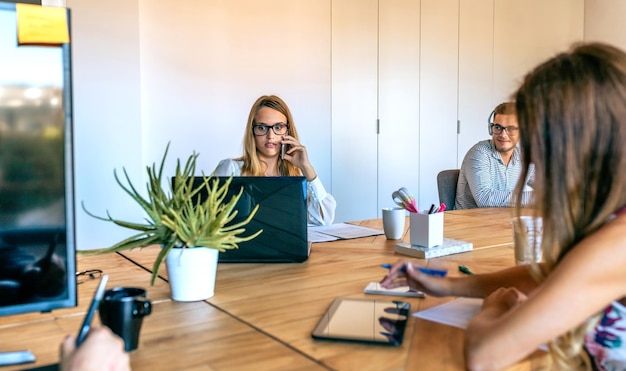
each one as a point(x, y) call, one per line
point(107, 113)
point(203, 64)
point(604, 21)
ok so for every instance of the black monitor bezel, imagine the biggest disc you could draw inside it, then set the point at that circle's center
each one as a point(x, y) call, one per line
point(70, 300)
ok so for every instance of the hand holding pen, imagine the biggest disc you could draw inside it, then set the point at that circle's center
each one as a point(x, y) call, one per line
point(429, 271)
point(404, 273)
point(432, 272)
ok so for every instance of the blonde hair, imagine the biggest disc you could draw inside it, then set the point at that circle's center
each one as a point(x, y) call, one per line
point(252, 165)
point(572, 111)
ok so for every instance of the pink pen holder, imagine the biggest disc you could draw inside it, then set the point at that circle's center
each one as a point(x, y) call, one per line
point(426, 229)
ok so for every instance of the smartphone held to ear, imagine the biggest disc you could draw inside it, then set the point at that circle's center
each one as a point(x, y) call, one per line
point(282, 151)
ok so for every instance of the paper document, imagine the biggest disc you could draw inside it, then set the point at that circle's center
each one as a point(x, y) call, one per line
point(344, 231)
point(455, 313)
point(315, 236)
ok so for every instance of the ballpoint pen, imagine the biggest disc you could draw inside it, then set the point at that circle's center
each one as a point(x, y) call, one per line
point(433, 209)
point(429, 271)
point(442, 208)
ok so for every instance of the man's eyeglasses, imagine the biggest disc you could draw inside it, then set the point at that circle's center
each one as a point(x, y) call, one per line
point(262, 129)
point(498, 129)
point(87, 275)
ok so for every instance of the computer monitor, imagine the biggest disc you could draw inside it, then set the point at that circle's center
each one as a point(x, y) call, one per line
point(37, 250)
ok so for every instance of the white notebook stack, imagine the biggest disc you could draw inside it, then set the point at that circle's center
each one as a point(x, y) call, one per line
point(448, 247)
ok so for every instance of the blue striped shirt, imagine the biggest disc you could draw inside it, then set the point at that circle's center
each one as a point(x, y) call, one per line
point(485, 181)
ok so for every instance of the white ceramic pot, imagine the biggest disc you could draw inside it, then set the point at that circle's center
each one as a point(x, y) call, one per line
point(191, 273)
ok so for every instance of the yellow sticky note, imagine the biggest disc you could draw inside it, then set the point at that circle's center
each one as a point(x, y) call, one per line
point(41, 25)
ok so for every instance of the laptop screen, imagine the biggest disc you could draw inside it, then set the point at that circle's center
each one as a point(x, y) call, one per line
point(282, 215)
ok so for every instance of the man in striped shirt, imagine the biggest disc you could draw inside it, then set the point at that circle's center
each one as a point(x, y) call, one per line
point(491, 168)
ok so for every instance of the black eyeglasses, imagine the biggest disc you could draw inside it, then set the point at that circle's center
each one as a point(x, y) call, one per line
point(262, 129)
point(498, 129)
point(90, 274)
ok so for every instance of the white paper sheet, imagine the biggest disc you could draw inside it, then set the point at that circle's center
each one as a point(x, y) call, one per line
point(315, 236)
point(455, 313)
point(345, 230)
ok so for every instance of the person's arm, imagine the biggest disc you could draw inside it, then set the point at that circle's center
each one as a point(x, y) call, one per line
point(227, 167)
point(530, 180)
point(474, 286)
point(477, 171)
point(101, 350)
point(321, 205)
point(587, 280)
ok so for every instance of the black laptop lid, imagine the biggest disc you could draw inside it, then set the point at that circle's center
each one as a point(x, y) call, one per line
point(282, 215)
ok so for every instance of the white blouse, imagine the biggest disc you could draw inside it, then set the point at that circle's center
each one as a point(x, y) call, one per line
point(321, 205)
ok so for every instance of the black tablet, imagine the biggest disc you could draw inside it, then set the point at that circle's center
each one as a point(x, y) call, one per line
point(364, 320)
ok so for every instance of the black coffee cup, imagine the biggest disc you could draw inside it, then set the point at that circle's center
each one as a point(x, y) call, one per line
point(122, 310)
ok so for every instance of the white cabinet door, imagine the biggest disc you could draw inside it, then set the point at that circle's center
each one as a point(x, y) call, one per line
point(375, 104)
point(354, 108)
point(398, 97)
point(438, 94)
point(476, 98)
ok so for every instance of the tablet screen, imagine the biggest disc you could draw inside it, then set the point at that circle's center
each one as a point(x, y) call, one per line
point(364, 320)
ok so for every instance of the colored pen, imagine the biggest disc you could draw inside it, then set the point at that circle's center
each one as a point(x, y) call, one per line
point(465, 269)
point(442, 208)
point(430, 271)
point(432, 209)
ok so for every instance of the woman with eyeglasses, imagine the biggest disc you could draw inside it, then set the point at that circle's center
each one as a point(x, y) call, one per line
point(491, 168)
point(272, 148)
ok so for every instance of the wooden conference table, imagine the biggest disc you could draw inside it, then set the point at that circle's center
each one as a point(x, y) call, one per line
point(262, 315)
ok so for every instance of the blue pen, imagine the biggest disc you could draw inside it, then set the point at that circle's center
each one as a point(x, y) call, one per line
point(432, 272)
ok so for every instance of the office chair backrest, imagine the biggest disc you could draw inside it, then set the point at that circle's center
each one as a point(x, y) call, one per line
point(446, 186)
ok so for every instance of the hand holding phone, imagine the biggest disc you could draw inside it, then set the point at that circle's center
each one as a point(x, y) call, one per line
point(95, 303)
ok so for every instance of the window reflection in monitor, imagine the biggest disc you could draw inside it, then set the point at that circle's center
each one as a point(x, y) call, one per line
point(37, 252)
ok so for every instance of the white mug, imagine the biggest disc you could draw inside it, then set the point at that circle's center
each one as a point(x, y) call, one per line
point(394, 219)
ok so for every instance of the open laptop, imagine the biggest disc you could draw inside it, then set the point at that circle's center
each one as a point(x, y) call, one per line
point(282, 215)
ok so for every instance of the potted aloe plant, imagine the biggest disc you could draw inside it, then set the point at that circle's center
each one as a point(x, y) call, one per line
point(190, 231)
